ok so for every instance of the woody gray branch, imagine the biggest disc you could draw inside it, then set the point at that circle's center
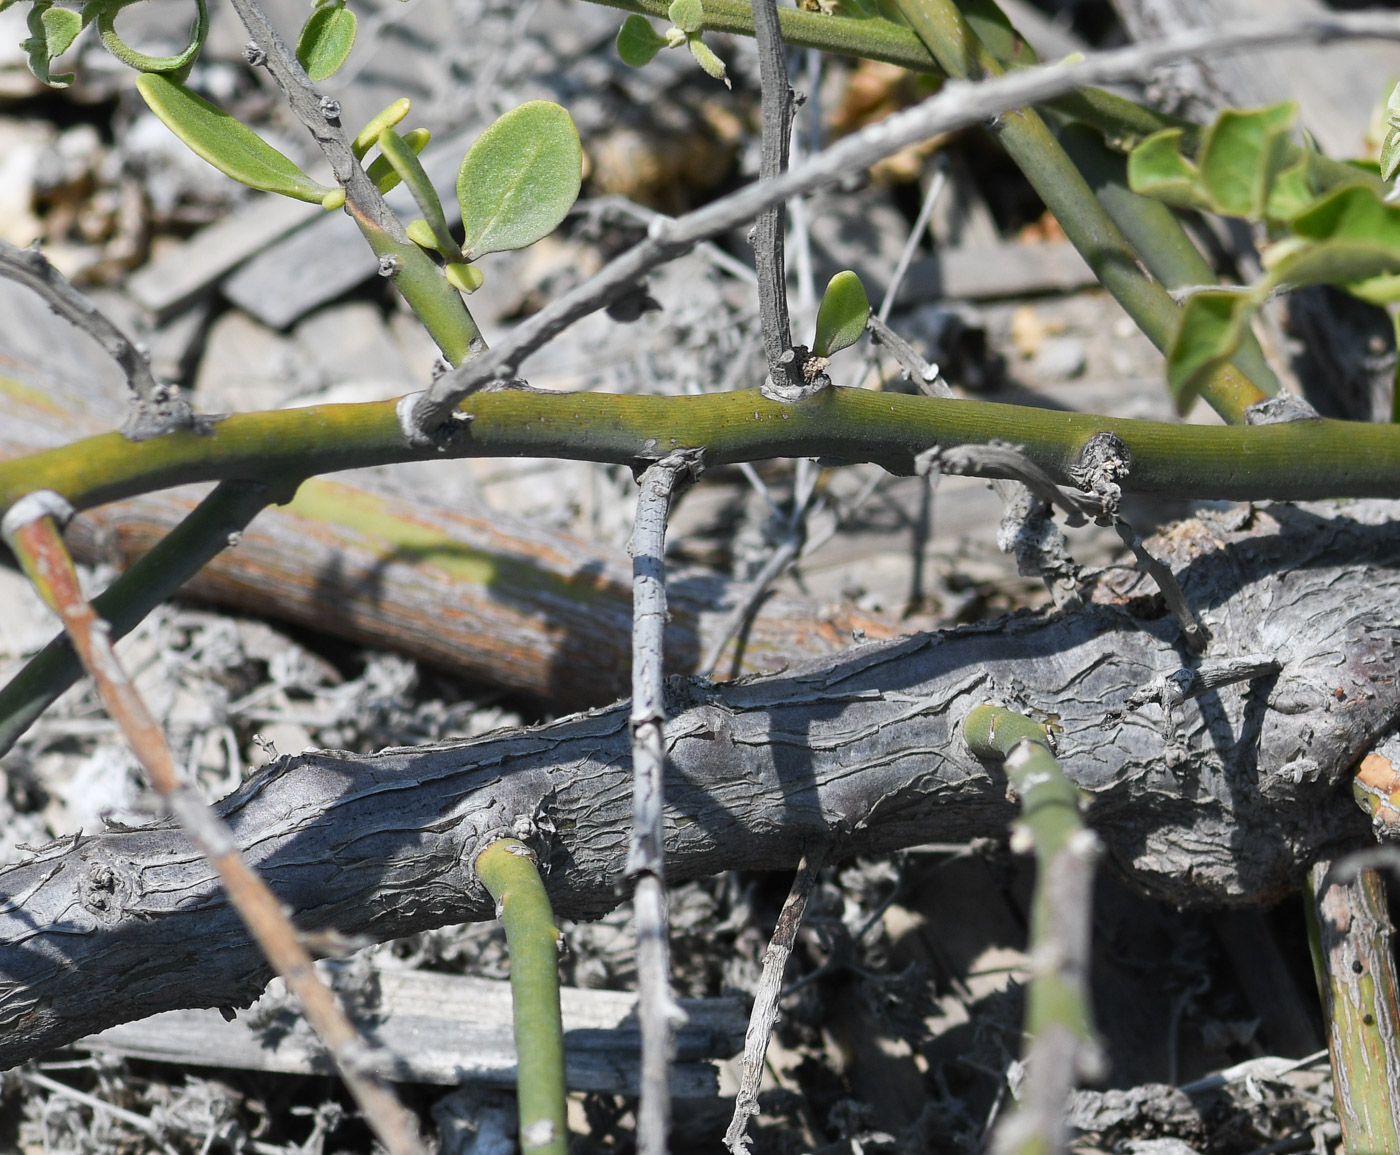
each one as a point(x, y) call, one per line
point(956, 105)
point(859, 751)
point(319, 114)
point(769, 232)
point(156, 408)
point(659, 1013)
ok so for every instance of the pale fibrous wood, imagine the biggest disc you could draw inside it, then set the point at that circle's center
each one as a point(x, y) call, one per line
point(438, 1028)
point(1226, 802)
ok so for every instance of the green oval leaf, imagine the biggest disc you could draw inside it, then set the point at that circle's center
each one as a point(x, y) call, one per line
point(519, 179)
point(842, 315)
point(420, 232)
point(229, 145)
point(1242, 154)
point(638, 41)
point(687, 15)
point(467, 278)
point(326, 40)
point(1157, 169)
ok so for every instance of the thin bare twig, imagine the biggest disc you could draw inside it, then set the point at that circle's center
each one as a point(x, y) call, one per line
point(911, 244)
point(211, 527)
point(30, 530)
point(956, 105)
point(769, 239)
point(923, 373)
point(765, 1004)
point(155, 408)
point(659, 1012)
point(773, 568)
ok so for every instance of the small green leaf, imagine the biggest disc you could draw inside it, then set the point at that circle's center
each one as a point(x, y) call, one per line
point(842, 315)
point(1212, 325)
point(707, 60)
point(466, 278)
point(520, 178)
point(638, 42)
point(420, 232)
point(1242, 154)
point(229, 145)
point(687, 15)
point(326, 40)
point(1292, 191)
point(51, 33)
point(382, 172)
point(1157, 169)
point(368, 136)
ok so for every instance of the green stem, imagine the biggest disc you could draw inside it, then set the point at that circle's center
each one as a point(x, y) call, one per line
point(1292, 461)
point(1353, 955)
point(178, 557)
point(1150, 227)
point(509, 870)
point(434, 302)
point(1030, 143)
point(1059, 1013)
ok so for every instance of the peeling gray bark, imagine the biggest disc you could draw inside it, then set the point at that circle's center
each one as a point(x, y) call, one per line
point(1228, 801)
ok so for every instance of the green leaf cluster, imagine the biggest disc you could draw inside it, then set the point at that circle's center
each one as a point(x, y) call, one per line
point(638, 42)
point(1246, 167)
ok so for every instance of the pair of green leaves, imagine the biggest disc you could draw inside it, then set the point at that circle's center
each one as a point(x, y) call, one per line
point(516, 183)
point(52, 31)
point(1247, 166)
point(638, 42)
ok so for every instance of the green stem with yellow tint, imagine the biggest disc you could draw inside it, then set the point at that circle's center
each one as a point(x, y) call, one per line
point(1351, 938)
point(1292, 461)
point(509, 870)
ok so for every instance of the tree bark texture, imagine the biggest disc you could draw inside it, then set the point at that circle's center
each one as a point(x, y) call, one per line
point(1228, 802)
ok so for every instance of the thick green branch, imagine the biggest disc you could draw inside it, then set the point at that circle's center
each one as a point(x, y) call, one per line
point(1294, 461)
